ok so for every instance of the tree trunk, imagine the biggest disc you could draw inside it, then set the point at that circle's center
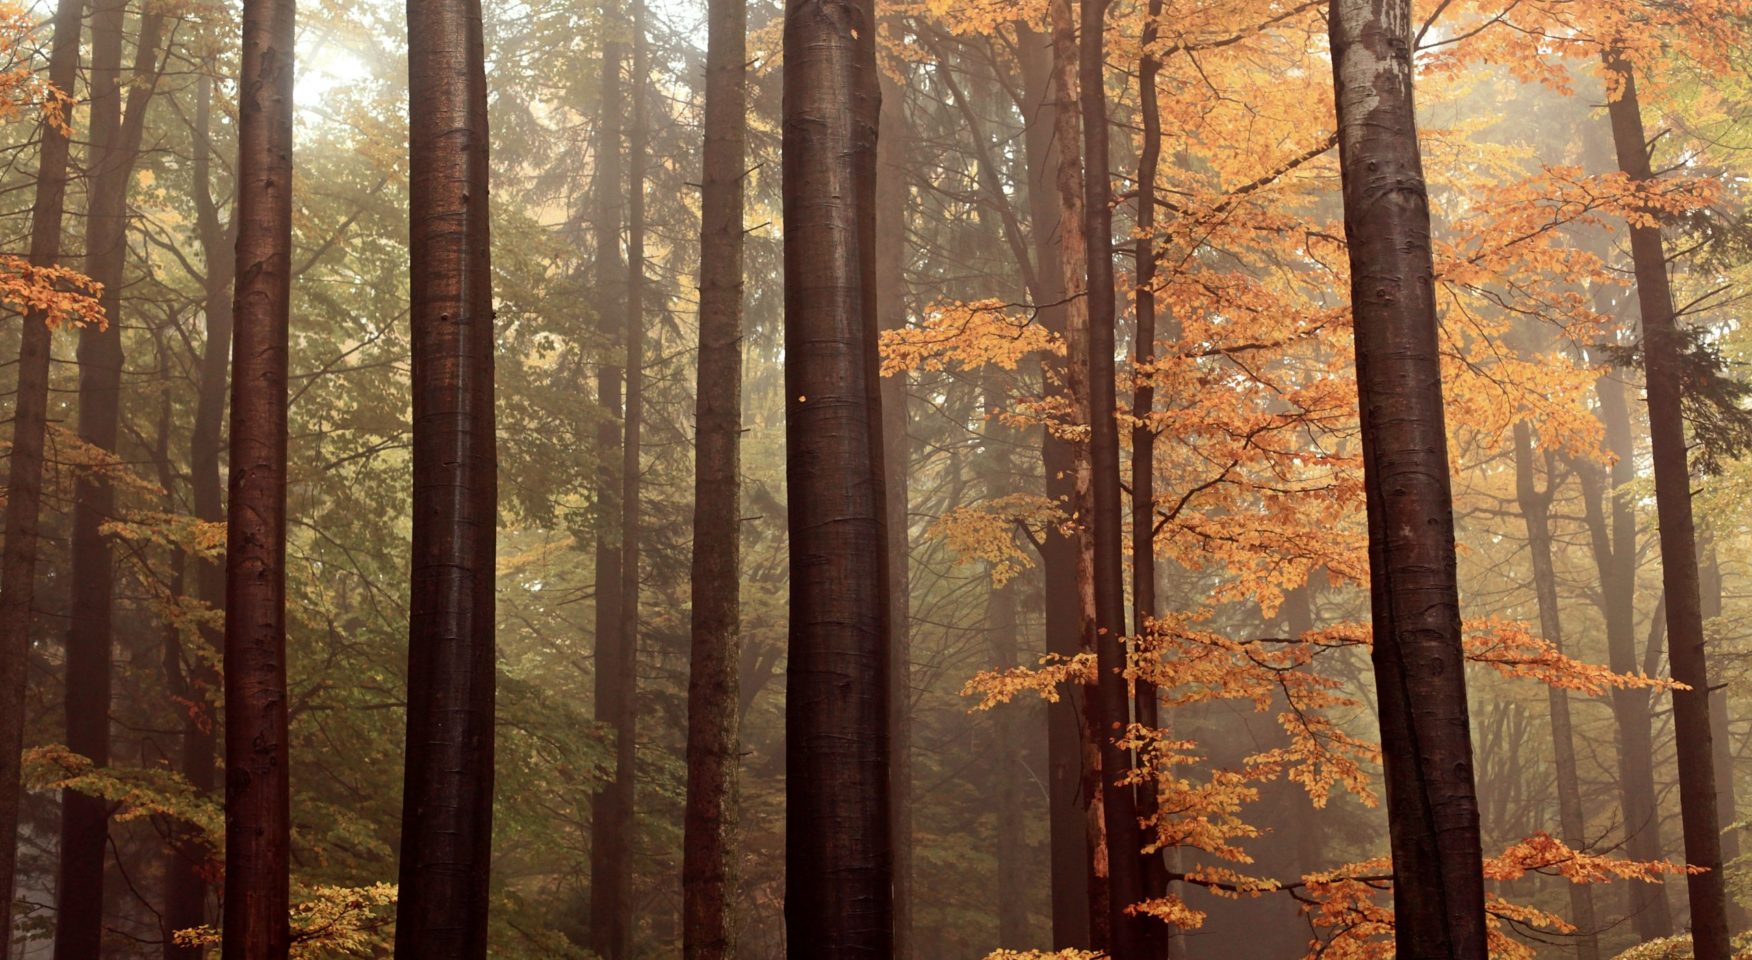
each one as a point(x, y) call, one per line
point(1143, 464)
point(1009, 840)
point(616, 674)
point(185, 901)
point(24, 471)
point(1685, 649)
point(1113, 693)
point(115, 144)
point(1069, 182)
point(838, 899)
point(257, 814)
point(1615, 556)
point(707, 873)
point(1071, 861)
point(1536, 513)
point(1438, 890)
point(1721, 733)
point(447, 800)
point(891, 312)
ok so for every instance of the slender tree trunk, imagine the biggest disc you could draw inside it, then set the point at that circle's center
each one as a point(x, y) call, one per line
point(1071, 863)
point(708, 852)
point(1535, 507)
point(1007, 787)
point(1685, 648)
point(616, 674)
point(1310, 833)
point(1069, 181)
point(626, 727)
point(1124, 866)
point(257, 813)
point(447, 799)
point(1143, 464)
point(185, 905)
point(1438, 889)
point(1721, 738)
point(1614, 547)
point(891, 312)
point(114, 146)
point(838, 897)
point(24, 472)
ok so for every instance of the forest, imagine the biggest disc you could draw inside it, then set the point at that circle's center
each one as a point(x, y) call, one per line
point(875, 479)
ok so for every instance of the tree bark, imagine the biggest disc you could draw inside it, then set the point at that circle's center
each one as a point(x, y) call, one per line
point(891, 313)
point(1679, 577)
point(1143, 464)
point(1613, 543)
point(616, 673)
point(257, 814)
point(447, 800)
point(1438, 890)
point(1113, 693)
point(708, 873)
point(185, 905)
point(24, 470)
point(1069, 183)
point(115, 143)
point(1071, 860)
point(1535, 507)
point(838, 898)
point(1720, 725)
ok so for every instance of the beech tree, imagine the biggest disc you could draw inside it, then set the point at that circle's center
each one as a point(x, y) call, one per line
point(257, 764)
point(1426, 746)
point(447, 800)
point(24, 469)
point(838, 899)
point(1679, 572)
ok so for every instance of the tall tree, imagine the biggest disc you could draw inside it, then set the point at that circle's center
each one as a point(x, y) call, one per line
point(257, 798)
point(838, 898)
point(185, 901)
point(891, 313)
point(447, 798)
point(1661, 349)
point(1535, 507)
point(1113, 693)
point(24, 468)
point(115, 142)
point(1438, 888)
point(612, 808)
point(1613, 543)
point(707, 854)
point(1143, 439)
point(1068, 841)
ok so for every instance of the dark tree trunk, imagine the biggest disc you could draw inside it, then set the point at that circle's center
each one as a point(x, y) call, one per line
point(1438, 889)
point(24, 470)
point(1685, 648)
point(447, 800)
point(1071, 864)
point(891, 313)
point(257, 814)
point(838, 898)
point(115, 143)
point(1535, 507)
point(616, 674)
point(1124, 866)
point(1143, 464)
point(1068, 181)
point(185, 901)
point(707, 878)
point(1615, 556)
